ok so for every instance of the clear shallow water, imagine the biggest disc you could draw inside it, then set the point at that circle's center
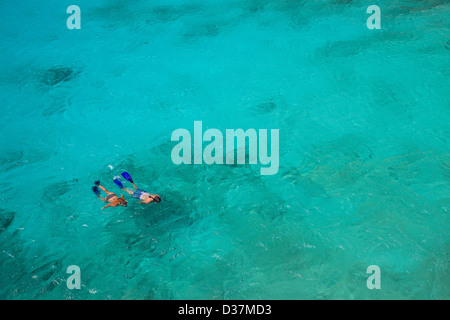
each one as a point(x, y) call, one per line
point(364, 149)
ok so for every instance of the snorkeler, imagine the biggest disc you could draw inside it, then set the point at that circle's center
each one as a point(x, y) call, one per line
point(111, 197)
point(137, 193)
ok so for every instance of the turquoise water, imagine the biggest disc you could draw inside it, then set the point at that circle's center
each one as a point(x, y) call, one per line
point(364, 175)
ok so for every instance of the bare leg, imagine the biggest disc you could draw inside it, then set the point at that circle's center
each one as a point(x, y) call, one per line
point(135, 186)
point(103, 199)
point(106, 191)
point(127, 190)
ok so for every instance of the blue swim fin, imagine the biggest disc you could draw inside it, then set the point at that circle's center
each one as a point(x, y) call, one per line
point(96, 191)
point(127, 176)
point(97, 183)
point(117, 181)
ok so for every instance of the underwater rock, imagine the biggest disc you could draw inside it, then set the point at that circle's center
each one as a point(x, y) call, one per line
point(55, 75)
point(419, 5)
point(10, 159)
point(447, 45)
point(53, 109)
point(204, 30)
point(6, 217)
point(58, 189)
point(166, 13)
point(17, 158)
point(267, 106)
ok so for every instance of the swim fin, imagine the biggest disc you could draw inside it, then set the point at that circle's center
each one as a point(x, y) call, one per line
point(127, 176)
point(117, 181)
point(96, 191)
point(97, 183)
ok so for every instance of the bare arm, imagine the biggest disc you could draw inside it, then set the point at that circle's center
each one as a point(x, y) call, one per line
point(108, 205)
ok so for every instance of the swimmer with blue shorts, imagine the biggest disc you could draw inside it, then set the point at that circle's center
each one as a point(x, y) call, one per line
point(137, 193)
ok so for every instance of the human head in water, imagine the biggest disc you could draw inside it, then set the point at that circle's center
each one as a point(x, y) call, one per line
point(122, 201)
point(155, 198)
